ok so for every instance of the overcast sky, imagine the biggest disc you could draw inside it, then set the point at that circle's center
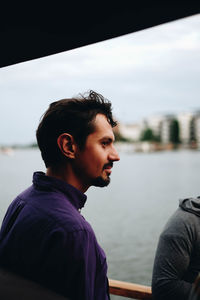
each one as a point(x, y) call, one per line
point(152, 71)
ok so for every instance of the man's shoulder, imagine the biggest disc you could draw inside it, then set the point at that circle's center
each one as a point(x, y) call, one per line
point(184, 218)
point(51, 210)
point(182, 225)
point(18, 203)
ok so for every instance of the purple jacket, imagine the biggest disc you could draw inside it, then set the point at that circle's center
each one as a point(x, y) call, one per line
point(46, 239)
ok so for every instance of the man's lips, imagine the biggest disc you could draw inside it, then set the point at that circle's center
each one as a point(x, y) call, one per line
point(108, 167)
point(108, 171)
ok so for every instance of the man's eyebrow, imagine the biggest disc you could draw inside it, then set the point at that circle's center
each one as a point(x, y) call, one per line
point(108, 138)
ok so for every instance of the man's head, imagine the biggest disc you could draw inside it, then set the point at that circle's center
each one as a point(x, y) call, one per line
point(68, 132)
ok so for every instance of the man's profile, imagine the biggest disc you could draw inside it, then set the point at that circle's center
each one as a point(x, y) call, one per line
point(43, 236)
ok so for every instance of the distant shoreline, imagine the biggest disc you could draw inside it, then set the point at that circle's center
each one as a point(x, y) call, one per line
point(122, 146)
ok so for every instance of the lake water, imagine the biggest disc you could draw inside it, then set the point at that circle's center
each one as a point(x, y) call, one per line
point(129, 214)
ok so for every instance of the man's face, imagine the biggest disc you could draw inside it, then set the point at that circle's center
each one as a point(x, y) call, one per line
point(95, 161)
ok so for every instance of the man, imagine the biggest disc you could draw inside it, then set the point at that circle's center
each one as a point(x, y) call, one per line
point(43, 235)
point(177, 260)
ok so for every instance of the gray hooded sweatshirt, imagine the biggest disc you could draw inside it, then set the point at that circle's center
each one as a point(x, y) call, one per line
point(177, 260)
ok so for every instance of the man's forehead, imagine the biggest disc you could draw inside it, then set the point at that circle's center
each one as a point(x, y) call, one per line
point(101, 120)
point(102, 130)
point(102, 135)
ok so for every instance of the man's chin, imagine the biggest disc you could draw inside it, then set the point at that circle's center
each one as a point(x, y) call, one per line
point(101, 182)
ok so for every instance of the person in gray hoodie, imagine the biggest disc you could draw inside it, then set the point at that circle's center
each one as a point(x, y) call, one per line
point(177, 259)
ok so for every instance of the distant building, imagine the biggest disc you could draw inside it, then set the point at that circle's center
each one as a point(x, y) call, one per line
point(197, 129)
point(161, 126)
point(185, 125)
point(166, 129)
point(130, 131)
point(154, 123)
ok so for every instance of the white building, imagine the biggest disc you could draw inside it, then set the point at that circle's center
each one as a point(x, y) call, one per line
point(166, 128)
point(160, 124)
point(197, 129)
point(130, 131)
point(189, 128)
point(184, 120)
point(154, 122)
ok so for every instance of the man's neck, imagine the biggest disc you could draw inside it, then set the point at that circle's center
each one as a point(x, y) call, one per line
point(66, 174)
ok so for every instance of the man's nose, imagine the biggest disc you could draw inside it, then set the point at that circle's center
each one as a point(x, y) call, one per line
point(113, 155)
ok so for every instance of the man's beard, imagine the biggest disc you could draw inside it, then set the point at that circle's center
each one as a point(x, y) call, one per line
point(99, 181)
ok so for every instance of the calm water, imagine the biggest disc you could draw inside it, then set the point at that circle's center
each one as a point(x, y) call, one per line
point(129, 214)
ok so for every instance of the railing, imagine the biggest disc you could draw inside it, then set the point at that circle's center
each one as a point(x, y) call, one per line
point(129, 290)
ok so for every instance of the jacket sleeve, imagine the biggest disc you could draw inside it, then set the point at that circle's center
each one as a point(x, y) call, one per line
point(78, 266)
point(172, 259)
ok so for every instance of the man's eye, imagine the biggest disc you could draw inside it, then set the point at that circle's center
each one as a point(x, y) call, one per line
point(104, 143)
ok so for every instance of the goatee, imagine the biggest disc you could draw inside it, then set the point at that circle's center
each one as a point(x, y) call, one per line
point(100, 182)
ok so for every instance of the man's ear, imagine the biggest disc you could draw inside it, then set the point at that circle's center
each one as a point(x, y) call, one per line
point(67, 145)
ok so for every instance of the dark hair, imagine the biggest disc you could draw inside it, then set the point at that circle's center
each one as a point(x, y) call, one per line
point(74, 116)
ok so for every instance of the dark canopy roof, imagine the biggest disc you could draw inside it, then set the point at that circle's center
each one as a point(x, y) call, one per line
point(33, 31)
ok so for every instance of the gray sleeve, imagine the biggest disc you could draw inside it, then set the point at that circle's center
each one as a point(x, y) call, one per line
point(172, 260)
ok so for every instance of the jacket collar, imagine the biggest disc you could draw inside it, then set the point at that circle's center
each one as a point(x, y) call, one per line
point(42, 181)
